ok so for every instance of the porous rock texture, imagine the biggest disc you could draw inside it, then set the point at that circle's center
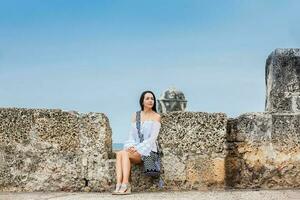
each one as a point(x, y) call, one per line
point(263, 151)
point(54, 150)
point(283, 81)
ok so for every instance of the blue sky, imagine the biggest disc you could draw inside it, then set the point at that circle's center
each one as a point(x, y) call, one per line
point(98, 56)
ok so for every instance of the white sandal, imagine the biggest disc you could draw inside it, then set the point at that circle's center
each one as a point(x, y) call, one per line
point(118, 186)
point(125, 189)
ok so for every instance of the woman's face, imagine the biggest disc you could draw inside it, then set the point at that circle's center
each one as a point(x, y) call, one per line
point(148, 100)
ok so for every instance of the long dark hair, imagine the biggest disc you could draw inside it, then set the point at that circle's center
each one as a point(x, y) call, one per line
point(142, 100)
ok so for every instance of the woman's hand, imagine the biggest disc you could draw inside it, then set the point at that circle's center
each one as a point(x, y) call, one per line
point(131, 149)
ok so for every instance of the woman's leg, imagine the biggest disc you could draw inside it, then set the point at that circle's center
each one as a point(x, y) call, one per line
point(127, 159)
point(125, 166)
point(119, 167)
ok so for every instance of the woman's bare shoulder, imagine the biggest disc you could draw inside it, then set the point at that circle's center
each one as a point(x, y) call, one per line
point(157, 117)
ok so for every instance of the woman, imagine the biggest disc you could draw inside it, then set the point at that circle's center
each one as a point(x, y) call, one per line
point(134, 149)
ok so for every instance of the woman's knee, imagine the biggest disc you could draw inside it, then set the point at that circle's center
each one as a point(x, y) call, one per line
point(119, 153)
point(124, 153)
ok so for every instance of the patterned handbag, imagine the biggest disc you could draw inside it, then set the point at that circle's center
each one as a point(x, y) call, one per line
point(151, 162)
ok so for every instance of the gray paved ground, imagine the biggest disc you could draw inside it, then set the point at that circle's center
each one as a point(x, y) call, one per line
point(190, 195)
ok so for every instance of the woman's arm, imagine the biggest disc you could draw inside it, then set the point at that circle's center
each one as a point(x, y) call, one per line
point(131, 142)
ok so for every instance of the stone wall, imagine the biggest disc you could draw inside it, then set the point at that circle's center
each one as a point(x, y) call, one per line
point(53, 150)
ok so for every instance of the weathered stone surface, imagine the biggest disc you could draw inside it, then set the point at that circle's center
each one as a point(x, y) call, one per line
point(193, 148)
point(283, 81)
point(250, 126)
point(53, 150)
point(198, 151)
point(268, 155)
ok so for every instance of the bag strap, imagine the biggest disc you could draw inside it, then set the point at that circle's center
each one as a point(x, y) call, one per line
point(138, 125)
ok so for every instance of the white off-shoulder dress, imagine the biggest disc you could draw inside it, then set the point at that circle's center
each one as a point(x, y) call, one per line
point(150, 130)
